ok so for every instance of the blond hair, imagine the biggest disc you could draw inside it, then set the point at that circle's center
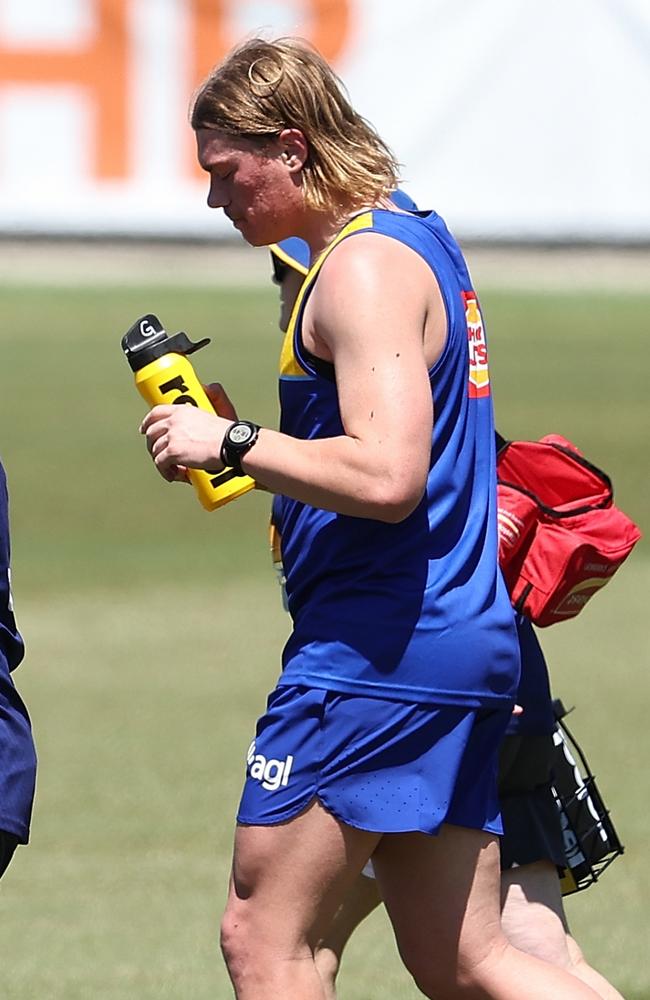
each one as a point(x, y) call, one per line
point(263, 87)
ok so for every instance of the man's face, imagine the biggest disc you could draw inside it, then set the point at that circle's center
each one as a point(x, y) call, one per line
point(252, 184)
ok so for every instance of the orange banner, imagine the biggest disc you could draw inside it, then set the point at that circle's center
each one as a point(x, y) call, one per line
point(101, 68)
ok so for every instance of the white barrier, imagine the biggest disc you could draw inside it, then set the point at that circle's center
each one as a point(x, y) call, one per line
point(512, 119)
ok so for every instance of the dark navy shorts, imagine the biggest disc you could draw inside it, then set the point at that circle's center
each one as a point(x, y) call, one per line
point(531, 819)
point(17, 760)
point(377, 765)
point(8, 844)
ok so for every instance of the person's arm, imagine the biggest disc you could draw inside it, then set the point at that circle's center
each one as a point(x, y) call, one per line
point(376, 313)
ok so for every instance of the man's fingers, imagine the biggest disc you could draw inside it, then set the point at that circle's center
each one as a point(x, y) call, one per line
point(156, 429)
point(173, 474)
point(155, 415)
point(166, 463)
point(220, 400)
point(157, 445)
point(178, 437)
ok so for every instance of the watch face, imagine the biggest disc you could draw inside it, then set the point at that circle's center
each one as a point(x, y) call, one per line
point(240, 433)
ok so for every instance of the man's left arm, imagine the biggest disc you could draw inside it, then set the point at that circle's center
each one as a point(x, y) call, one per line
point(377, 315)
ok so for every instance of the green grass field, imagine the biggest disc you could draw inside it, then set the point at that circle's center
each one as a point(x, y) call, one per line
point(153, 633)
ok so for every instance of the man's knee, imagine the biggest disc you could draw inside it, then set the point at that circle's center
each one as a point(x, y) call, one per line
point(236, 938)
point(451, 984)
point(450, 975)
point(251, 937)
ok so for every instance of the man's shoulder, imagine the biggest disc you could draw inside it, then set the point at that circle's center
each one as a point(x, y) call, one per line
point(369, 255)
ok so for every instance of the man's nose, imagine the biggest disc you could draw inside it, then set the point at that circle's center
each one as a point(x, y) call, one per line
point(217, 197)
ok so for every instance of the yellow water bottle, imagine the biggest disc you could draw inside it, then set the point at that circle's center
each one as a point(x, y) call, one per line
point(164, 375)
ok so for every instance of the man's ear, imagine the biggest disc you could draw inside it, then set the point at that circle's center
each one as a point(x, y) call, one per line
point(294, 148)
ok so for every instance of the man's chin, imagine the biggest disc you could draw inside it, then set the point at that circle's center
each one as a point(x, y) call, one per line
point(252, 237)
point(240, 227)
point(255, 239)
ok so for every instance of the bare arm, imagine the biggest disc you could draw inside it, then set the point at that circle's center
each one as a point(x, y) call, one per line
point(377, 314)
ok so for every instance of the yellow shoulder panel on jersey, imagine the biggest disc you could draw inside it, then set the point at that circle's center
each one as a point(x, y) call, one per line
point(290, 367)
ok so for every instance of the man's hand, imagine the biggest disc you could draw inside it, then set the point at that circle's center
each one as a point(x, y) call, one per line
point(184, 437)
point(220, 400)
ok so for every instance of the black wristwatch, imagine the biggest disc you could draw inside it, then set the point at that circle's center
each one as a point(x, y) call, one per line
point(238, 440)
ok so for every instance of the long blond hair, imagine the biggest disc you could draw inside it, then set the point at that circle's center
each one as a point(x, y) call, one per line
point(263, 87)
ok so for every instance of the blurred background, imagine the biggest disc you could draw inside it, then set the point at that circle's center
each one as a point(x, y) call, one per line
point(153, 629)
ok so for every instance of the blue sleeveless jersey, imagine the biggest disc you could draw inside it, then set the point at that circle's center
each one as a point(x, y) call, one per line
point(416, 611)
point(17, 754)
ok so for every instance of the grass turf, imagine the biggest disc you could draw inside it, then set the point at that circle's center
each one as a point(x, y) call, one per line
point(142, 690)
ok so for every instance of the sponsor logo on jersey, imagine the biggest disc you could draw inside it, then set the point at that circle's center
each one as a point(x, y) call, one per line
point(479, 376)
point(271, 773)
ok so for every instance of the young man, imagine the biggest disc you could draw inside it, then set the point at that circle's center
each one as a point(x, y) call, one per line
point(17, 753)
point(398, 680)
point(532, 846)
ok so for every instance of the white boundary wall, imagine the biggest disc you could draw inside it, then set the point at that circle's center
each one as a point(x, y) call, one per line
point(515, 119)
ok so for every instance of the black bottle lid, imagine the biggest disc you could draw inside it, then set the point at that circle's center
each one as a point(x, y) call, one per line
point(147, 340)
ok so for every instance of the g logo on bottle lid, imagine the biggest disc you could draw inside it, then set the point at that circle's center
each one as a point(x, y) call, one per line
point(146, 329)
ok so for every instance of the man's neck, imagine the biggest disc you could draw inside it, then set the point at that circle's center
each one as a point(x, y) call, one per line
point(322, 228)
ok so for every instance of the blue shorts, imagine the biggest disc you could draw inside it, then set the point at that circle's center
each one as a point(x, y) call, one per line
point(377, 765)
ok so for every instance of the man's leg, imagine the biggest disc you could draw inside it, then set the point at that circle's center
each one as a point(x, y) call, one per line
point(360, 900)
point(531, 912)
point(287, 883)
point(533, 920)
point(442, 896)
point(581, 968)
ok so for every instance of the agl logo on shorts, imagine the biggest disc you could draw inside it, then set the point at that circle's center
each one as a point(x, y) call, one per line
point(272, 774)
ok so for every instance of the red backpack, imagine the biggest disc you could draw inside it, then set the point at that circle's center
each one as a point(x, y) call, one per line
point(561, 538)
